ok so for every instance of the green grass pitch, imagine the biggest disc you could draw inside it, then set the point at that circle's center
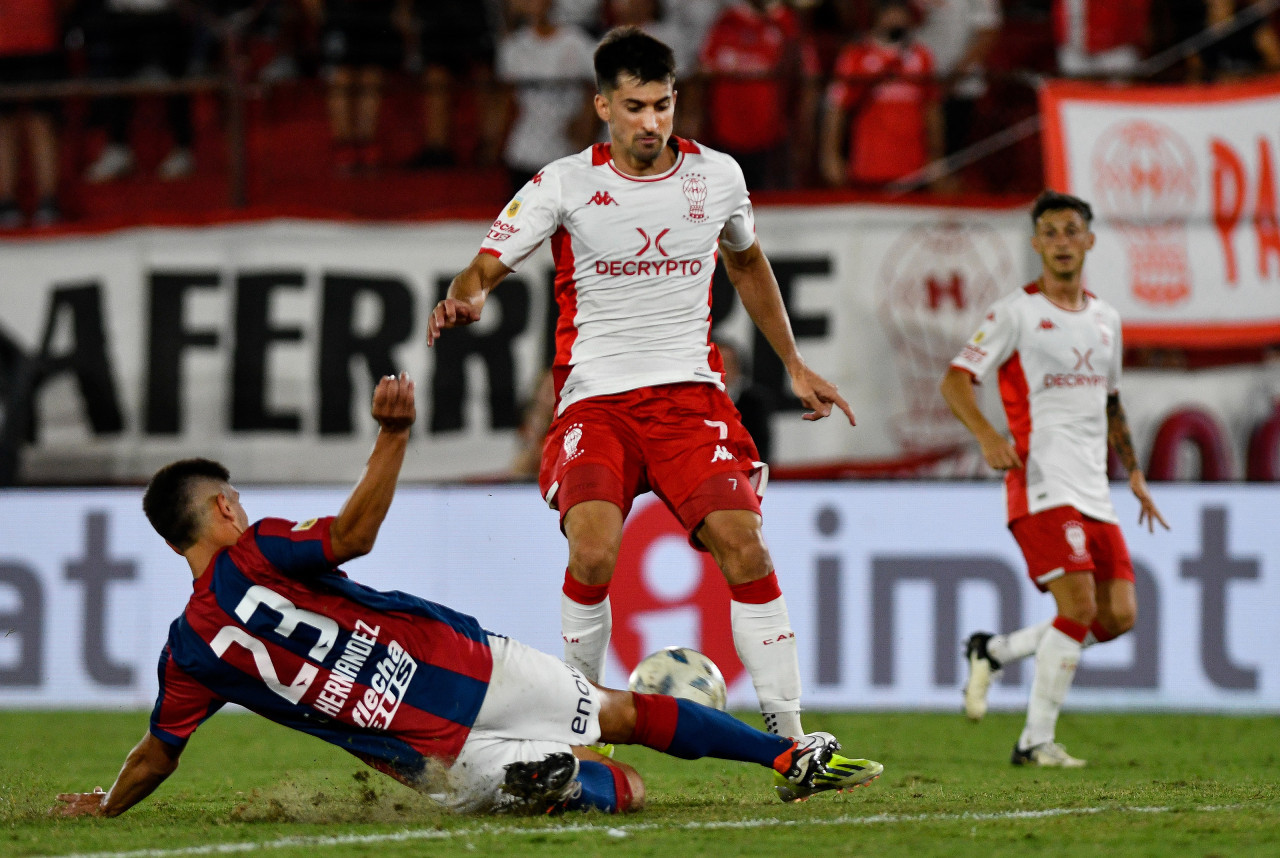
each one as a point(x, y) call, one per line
point(1157, 785)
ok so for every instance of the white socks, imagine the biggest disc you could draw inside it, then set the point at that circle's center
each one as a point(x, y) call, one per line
point(767, 646)
point(1015, 645)
point(1057, 657)
point(586, 630)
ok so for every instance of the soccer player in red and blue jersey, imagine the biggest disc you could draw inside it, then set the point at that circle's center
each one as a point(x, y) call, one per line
point(413, 688)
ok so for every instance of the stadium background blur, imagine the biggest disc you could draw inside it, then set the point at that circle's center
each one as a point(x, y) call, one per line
point(289, 142)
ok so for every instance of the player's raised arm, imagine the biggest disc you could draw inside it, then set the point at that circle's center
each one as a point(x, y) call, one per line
point(466, 296)
point(957, 390)
point(146, 767)
point(752, 277)
point(354, 531)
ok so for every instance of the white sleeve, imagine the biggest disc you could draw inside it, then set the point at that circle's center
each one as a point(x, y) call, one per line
point(992, 344)
point(528, 220)
point(739, 230)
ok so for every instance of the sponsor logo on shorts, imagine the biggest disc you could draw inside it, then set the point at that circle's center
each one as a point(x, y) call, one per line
point(1074, 532)
point(722, 454)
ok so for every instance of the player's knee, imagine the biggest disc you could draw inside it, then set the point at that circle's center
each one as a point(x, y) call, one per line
point(1118, 621)
point(592, 561)
point(738, 548)
point(634, 798)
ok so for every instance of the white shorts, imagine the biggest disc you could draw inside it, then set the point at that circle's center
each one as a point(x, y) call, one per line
point(536, 705)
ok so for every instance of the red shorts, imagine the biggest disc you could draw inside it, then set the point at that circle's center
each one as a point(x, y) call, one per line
point(685, 442)
point(1061, 540)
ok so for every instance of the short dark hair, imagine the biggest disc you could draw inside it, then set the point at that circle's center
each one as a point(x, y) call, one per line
point(1052, 201)
point(170, 502)
point(631, 51)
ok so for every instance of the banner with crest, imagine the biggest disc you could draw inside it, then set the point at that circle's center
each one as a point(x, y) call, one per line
point(1183, 185)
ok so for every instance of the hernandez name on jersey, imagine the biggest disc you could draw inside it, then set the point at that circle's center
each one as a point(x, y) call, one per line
point(1056, 368)
point(634, 257)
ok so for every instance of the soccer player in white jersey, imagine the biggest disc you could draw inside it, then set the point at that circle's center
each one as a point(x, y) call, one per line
point(1056, 351)
point(635, 226)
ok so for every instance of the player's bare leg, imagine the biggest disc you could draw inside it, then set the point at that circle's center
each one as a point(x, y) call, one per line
point(758, 615)
point(1117, 609)
point(1057, 657)
point(594, 531)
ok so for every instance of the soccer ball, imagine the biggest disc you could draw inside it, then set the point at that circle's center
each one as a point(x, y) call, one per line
point(680, 672)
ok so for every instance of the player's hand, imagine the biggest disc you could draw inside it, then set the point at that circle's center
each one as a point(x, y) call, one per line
point(450, 313)
point(818, 395)
point(393, 405)
point(1148, 514)
point(79, 803)
point(1000, 454)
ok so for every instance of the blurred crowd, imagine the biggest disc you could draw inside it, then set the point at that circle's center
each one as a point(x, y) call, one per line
point(805, 93)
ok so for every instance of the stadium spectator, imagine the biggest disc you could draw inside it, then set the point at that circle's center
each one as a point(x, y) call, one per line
point(653, 17)
point(1252, 49)
point(1100, 38)
point(582, 14)
point(884, 94)
point(636, 225)
point(149, 40)
point(30, 52)
point(361, 40)
point(456, 39)
point(416, 690)
point(960, 35)
point(758, 53)
point(547, 67)
point(1057, 351)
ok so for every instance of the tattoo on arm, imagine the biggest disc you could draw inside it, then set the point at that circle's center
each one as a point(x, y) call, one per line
point(1118, 433)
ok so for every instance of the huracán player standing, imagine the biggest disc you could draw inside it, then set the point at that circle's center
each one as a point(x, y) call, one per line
point(635, 225)
point(1056, 351)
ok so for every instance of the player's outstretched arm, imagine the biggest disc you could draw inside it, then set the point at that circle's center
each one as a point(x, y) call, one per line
point(752, 277)
point(354, 531)
point(1122, 442)
point(465, 299)
point(957, 390)
point(146, 767)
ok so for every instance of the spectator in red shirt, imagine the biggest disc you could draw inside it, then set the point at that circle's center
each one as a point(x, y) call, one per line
point(760, 99)
point(882, 91)
point(30, 38)
point(1100, 37)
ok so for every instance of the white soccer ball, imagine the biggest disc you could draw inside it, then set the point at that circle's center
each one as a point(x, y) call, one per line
point(681, 672)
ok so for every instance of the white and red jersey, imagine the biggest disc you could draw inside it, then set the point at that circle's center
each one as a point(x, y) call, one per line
point(1056, 368)
point(634, 257)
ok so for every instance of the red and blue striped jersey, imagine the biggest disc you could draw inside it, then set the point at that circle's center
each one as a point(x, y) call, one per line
point(276, 627)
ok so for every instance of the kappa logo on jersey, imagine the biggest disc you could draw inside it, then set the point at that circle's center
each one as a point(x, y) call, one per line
point(572, 439)
point(656, 241)
point(1046, 325)
point(537, 177)
point(694, 186)
point(722, 454)
point(602, 198)
point(1076, 539)
point(1082, 360)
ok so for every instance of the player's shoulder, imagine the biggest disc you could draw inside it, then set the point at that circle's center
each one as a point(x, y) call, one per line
point(1102, 305)
point(702, 157)
point(1016, 301)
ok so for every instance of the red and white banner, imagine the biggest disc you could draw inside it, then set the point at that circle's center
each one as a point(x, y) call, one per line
point(1183, 185)
point(257, 344)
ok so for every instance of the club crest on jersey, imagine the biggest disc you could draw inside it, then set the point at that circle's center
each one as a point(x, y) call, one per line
point(1074, 533)
point(694, 186)
point(602, 198)
point(572, 439)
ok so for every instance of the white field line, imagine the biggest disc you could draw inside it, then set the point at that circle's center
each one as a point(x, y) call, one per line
point(626, 829)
